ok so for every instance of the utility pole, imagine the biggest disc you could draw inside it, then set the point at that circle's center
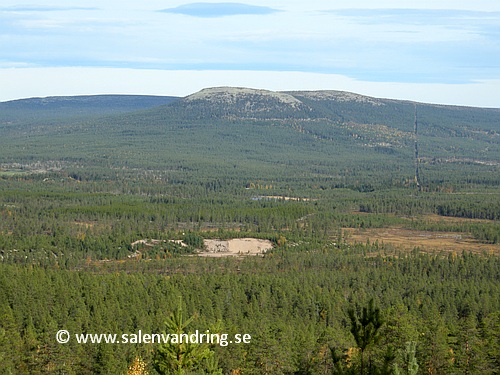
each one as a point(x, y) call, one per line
point(417, 175)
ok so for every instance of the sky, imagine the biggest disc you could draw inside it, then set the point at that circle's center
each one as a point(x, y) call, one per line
point(436, 51)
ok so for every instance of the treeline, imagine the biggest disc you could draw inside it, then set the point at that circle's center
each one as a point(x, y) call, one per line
point(294, 305)
point(485, 209)
point(62, 222)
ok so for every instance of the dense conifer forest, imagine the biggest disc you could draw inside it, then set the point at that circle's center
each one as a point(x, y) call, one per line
point(106, 203)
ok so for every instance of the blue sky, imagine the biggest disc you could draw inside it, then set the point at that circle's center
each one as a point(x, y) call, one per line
point(435, 51)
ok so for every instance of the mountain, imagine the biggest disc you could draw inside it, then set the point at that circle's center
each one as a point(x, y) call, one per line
point(245, 103)
point(55, 108)
point(331, 114)
point(345, 106)
point(250, 132)
point(105, 102)
point(336, 106)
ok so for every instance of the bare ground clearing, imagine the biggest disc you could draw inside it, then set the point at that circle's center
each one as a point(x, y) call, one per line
point(235, 247)
point(216, 248)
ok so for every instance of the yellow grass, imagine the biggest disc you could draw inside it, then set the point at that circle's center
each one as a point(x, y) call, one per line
point(408, 239)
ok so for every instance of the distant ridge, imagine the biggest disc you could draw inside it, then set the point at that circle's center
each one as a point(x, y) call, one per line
point(64, 107)
point(110, 101)
point(337, 107)
point(328, 133)
point(340, 96)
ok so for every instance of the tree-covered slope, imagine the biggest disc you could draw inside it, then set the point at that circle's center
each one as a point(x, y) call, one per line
point(333, 135)
point(57, 108)
point(96, 194)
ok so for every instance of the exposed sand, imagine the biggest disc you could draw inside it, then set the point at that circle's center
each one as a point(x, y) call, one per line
point(235, 247)
point(279, 197)
point(218, 248)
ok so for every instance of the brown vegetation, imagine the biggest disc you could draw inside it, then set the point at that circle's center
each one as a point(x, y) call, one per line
point(408, 239)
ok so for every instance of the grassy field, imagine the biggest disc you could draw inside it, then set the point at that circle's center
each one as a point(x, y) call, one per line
point(397, 239)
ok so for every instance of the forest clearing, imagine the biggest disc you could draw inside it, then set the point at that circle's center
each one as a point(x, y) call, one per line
point(426, 241)
point(235, 247)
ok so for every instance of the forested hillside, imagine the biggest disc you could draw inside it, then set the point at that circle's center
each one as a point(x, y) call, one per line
point(63, 108)
point(105, 203)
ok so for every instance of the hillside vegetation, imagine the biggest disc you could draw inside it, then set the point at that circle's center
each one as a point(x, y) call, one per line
point(105, 202)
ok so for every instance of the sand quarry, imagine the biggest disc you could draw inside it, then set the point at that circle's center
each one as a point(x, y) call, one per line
point(235, 247)
point(218, 248)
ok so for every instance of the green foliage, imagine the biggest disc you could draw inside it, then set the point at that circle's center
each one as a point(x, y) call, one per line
point(365, 327)
point(194, 240)
point(410, 365)
point(293, 305)
point(182, 357)
point(79, 186)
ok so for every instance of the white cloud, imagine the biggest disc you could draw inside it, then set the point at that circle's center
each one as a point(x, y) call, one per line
point(216, 10)
point(403, 46)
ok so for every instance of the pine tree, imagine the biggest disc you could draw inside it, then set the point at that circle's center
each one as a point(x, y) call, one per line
point(182, 357)
point(365, 329)
point(491, 337)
